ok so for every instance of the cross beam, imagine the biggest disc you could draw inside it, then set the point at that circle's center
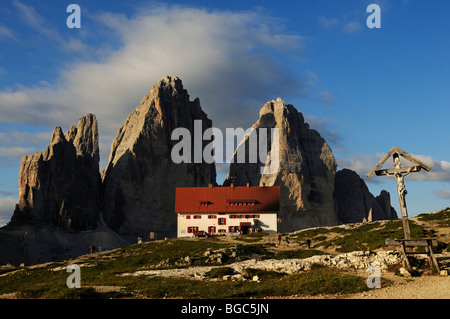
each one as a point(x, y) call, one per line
point(393, 171)
point(398, 151)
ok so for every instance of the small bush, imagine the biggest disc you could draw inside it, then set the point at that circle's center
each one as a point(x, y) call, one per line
point(220, 272)
point(79, 293)
point(438, 216)
point(252, 251)
point(248, 273)
point(309, 233)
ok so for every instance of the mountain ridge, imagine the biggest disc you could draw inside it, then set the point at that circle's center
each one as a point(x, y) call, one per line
point(63, 190)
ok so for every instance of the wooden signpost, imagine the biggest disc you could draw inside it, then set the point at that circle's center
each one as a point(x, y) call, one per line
point(399, 173)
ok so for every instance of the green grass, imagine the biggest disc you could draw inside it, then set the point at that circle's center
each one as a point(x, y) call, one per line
point(310, 233)
point(318, 281)
point(220, 272)
point(252, 237)
point(262, 274)
point(106, 268)
point(43, 283)
point(260, 251)
point(368, 236)
point(149, 254)
point(441, 217)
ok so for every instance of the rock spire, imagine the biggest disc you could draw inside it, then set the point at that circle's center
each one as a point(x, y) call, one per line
point(140, 178)
point(306, 169)
point(62, 186)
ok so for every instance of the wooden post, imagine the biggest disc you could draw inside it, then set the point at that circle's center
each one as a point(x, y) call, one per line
point(430, 254)
point(405, 220)
point(406, 263)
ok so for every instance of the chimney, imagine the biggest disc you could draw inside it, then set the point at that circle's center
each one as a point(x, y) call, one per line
point(232, 184)
point(248, 184)
point(210, 185)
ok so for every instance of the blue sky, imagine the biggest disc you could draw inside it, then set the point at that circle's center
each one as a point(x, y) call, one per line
point(365, 90)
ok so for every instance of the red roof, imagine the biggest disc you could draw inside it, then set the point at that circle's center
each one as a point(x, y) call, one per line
point(237, 199)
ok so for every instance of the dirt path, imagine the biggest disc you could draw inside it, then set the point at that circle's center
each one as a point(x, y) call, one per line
point(424, 287)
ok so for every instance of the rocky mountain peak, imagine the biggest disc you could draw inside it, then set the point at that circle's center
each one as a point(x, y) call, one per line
point(305, 173)
point(140, 178)
point(355, 203)
point(86, 137)
point(62, 187)
point(57, 136)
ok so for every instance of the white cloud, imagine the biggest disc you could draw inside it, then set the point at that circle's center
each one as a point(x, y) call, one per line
point(311, 79)
point(225, 58)
point(31, 17)
point(7, 206)
point(14, 145)
point(16, 152)
point(326, 97)
point(363, 163)
point(440, 170)
point(333, 138)
point(6, 193)
point(6, 33)
point(352, 27)
point(328, 22)
point(443, 194)
point(17, 138)
point(340, 24)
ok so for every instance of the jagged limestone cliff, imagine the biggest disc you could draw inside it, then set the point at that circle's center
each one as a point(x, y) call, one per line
point(62, 186)
point(355, 203)
point(140, 178)
point(136, 192)
point(305, 172)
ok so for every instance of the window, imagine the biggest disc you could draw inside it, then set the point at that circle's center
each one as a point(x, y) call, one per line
point(222, 231)
point(212, 216)
point(222, 221)
point(192, 229)
point(211, 229)
point(233, 229)
point(197, 216)
point(242, 203)
point(188, 216)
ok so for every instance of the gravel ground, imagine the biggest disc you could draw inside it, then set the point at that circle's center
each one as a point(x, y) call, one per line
point(424, 287)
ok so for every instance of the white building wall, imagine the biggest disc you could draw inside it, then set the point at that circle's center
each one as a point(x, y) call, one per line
point(266, 221)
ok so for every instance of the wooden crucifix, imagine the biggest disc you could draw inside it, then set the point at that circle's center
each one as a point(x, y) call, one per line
point(399, 173)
